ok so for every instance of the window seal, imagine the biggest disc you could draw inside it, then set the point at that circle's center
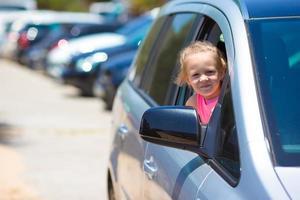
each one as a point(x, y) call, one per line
point(231, 180)
point(142, 94)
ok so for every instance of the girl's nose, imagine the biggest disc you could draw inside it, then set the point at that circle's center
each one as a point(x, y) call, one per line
point(203, 77)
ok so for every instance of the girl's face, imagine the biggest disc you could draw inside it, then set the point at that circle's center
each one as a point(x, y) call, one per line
point(203, 74)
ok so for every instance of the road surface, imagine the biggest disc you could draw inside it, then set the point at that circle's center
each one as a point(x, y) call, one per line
point(53, 144)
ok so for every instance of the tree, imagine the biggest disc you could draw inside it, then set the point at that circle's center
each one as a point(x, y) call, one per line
point(136, 7)
point(139, 6)
point(67, 5)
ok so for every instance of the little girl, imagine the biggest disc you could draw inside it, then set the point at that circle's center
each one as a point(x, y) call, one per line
point(202, 68)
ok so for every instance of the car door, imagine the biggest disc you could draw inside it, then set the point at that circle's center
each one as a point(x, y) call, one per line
point(138, 93)
point(130, 105)
point(177, 174)
point(225, 167)
point(166, 169)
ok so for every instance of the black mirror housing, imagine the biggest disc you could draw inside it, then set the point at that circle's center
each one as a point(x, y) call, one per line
point(173, 126)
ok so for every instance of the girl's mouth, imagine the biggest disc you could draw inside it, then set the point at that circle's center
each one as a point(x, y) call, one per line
point(205, 87)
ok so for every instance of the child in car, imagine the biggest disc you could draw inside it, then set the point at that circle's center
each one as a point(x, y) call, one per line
point(202, 67)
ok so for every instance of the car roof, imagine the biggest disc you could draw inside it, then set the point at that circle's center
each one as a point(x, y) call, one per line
point(269, 8)
point(251, 9)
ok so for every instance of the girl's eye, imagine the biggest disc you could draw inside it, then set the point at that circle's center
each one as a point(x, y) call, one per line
point(210, 72)
point(195, 75)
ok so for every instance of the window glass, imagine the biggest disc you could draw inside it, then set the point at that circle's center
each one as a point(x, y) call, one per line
point(145, 51)
point(161, 74)
point(228, 154)
point(276, 52)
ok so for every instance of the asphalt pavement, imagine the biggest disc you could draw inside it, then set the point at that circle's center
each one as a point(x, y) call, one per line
point(54, 144)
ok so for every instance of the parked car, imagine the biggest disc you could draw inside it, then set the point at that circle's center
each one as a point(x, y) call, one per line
point(83, 68)
point(32, 26)
point(34, 55)
point(6, 20)
point(15, 26)
point(110, 76)
point(60, 57)
point(250, 147)
point(38, 31)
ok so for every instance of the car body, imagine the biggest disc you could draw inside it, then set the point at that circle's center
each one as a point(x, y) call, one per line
point(34, 54)
point(60, 56)
point(250, 147)
point(15, 26)
point(32, 26)
point(83, 68)
point(64, 57)
point(6, 20)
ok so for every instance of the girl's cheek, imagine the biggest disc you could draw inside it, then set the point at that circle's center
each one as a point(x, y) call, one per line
point(195, 81)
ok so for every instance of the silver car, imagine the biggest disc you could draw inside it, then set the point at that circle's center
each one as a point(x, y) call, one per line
point(250, 149)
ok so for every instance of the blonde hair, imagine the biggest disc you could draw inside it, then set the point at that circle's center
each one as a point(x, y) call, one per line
point(193, 48)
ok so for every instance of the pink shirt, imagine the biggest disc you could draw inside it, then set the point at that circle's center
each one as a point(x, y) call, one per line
point(205, 107)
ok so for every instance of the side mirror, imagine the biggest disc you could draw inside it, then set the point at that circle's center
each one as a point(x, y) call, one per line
point(173, 126)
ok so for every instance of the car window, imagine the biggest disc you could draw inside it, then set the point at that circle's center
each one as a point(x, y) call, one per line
point(160, 76)
point(144, 52)
point(277, 64)
point(228, 155)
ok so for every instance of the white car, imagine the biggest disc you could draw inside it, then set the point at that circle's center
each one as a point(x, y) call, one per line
point(61, 55)
point(39, 17)
point(250, 148)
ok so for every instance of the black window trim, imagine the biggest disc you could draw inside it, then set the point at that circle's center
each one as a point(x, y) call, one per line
point(224, 173)
point(142, 94)
point(214, 163)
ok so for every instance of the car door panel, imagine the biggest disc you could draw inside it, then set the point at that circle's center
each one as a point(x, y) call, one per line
point(132, 146)
point(167, 169)
point(177, 170)
point(215, 182)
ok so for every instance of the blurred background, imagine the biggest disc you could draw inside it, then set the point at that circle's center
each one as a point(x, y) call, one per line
point(135, 7)
point(88, 44)
point(61, 62)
